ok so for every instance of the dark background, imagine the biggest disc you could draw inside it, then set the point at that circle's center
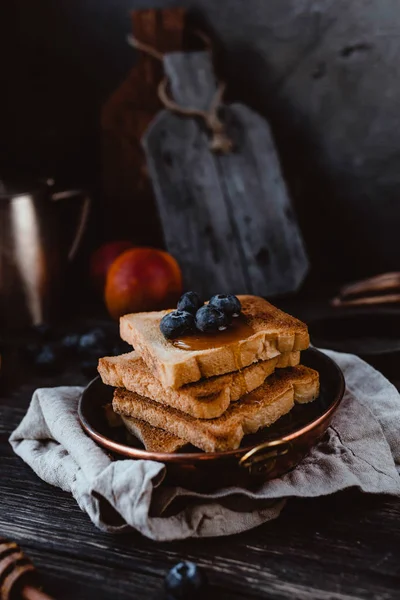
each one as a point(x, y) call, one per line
point(325, 73)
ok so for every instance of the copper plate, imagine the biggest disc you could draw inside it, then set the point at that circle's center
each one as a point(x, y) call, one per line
point(268, 454)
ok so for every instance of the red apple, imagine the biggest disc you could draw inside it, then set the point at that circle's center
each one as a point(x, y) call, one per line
point(102, 259)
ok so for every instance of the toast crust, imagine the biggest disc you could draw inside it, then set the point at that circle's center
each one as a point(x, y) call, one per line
point(206, 399)
point(154, 439)
point(275, 332)
point(256, 410)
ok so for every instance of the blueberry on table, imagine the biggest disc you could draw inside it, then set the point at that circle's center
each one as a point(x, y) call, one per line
point(209, 318)
point(47, 361)
point(43, 330)
point(185, 581)
point(120, 347)
point(30, 351)
point(92, 339)
point(190, 302)
point(176, 323)
point(89, 367)
point(70, 342)
point(227, 303)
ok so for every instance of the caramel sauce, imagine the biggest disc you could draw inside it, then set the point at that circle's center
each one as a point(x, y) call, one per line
point(238, 330)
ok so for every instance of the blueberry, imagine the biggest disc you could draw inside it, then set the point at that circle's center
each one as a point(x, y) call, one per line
point(47, 361)
point(120, 348)
point(43, 331)
point(70, 342)
point(92, 339)
point(210, 318)
point(89, 367)
point(227, 303)
point(92, 355)
point(185, 581)
point(189, 302)
point(176, 323)
point(31, 350)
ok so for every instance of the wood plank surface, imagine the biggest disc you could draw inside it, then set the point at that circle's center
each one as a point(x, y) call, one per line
point(341, 547)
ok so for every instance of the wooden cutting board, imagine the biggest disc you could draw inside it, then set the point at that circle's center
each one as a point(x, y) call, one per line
point(227, 218)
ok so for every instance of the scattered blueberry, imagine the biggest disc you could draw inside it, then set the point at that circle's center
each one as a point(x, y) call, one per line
point(43, 331)
point(120, 347)
point(227, 303)
point(89, 367)
point(209, 318)
point(92, 355)
point(31, 350)
point(47, 361)
point(92, 339)
point(70, 342)
point(190, 302)
point(176, 323)
point(185, 581)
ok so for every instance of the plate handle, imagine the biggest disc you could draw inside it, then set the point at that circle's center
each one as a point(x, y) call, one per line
point(262, 458)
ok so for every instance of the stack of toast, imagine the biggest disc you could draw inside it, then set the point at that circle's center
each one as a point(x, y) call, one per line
point(172, 394)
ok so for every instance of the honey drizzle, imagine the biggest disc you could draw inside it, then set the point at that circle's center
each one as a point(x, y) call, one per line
point(237, 331)
point(237, 357)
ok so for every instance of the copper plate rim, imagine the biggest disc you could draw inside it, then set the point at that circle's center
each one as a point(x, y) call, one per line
point(193, 457)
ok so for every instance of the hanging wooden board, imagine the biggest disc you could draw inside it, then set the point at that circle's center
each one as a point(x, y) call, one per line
point(227, 218)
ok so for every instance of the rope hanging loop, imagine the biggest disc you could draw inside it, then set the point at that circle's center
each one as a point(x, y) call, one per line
point(220, 142)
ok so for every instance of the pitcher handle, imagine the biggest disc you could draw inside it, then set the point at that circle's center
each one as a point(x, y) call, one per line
point(83, 219)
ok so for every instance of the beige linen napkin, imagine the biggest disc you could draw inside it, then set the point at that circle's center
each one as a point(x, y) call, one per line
point(361, 449)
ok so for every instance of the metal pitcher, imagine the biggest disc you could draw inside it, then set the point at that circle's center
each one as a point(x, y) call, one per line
point(31, 258)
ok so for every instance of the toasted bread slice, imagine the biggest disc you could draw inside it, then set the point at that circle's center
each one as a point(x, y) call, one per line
point(154, 439)
point(260, 408)
point(205, 399)
point(274, 332)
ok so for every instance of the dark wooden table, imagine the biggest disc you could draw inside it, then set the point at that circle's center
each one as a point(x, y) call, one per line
point(340, 547)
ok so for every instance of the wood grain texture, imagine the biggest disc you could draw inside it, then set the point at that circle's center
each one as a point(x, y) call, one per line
point(341, 547)
point(227, 218)
point(303, 555)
